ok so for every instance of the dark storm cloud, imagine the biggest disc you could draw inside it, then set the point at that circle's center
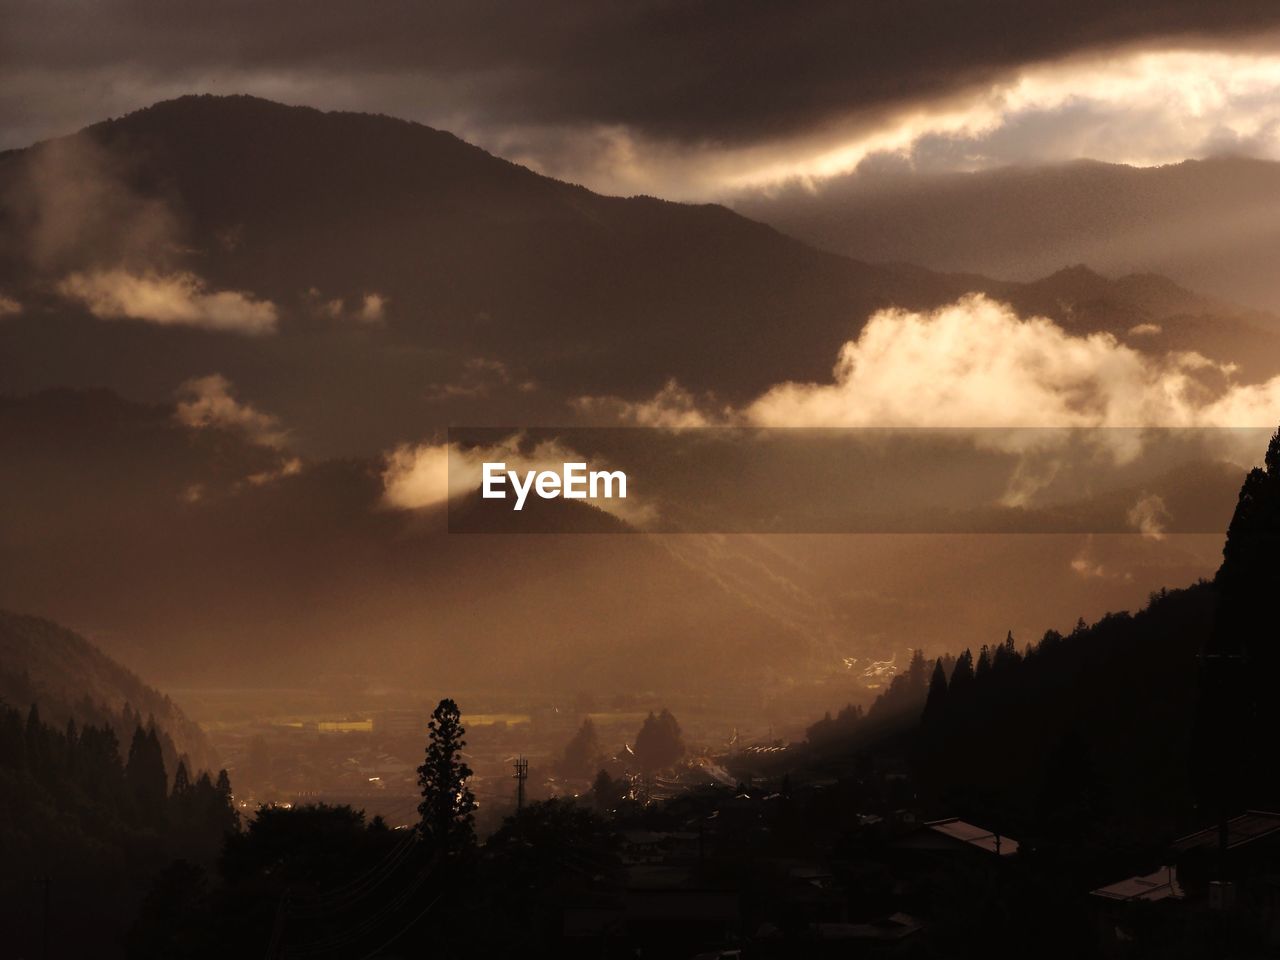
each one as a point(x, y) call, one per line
point(720, 72)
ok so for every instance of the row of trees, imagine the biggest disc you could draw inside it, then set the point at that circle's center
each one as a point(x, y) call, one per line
point(967, 674)
point(659, 744)
point(447, 810)
point(317, 880)
point(1057, 738)
point(923, 687)
point(75, 765)
point(92, 827)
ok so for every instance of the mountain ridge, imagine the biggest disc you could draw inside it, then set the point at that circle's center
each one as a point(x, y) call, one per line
point(65, 676)
point(1206, 223)
point(425, 281)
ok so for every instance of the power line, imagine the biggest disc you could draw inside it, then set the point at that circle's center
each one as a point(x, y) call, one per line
point(367, 926)
point(357, 890)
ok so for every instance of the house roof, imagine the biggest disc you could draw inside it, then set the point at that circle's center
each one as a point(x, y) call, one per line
point(974, 836)
point(1250, 826)
point(1161, 885)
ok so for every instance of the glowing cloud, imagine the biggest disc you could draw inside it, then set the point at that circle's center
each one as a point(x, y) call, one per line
point(178, 299)
point(672, 407)
point(373, 309)
point(1137, 106)
point(210, 402)
point(1149, 516)
point(975, 363)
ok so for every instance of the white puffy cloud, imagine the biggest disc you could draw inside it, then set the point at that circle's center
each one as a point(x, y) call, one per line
point(975, 363)
point(175, 299)
point(417, 476)
point(672, 407)
point(211, 402)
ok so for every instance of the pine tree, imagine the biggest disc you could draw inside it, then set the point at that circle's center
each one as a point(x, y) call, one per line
point(936, 701)
point(582, 752)
point(983, 667)
point(961, 676)
point(223, 816)
point(37, 745)
point(1239, 711)
point(181, 779)
point(1006, 655)
point(144, 773)
point(447, 809)
point(916, 672)
point(71, 747)
point(659, 742)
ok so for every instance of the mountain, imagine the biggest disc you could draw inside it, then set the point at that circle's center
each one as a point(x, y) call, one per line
point(370, 280)
point(1208, 224)
point(474, 260)
point(189, 551)
point(204, 558)
point(341, 284)
point(67, 677)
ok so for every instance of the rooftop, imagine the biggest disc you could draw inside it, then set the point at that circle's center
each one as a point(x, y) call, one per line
point(975, 836)
point(1248, 827)
point(1161, 885)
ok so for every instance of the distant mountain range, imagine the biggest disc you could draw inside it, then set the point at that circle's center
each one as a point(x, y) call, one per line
point(414, 280)
point(1210, 225)
point(363, 282)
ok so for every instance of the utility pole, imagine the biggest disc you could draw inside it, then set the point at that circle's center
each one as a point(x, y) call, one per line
point(44, 929)
point(521, 775)
point(1224, 672)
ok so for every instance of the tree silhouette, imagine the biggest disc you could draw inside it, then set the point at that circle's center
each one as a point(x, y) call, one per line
point(1006, 655)
point(76, 806)
point(962, 676)
point(936, 701)
point(606, 792)
point(181, 780)
point(982, 669)
point(447, 808)
point(582, 752)
point(1239, 712)
point(659, 743)
point(916, 671)
point(145, 775)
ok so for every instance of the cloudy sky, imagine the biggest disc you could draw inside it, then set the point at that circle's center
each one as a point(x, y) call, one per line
point(689, 99)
